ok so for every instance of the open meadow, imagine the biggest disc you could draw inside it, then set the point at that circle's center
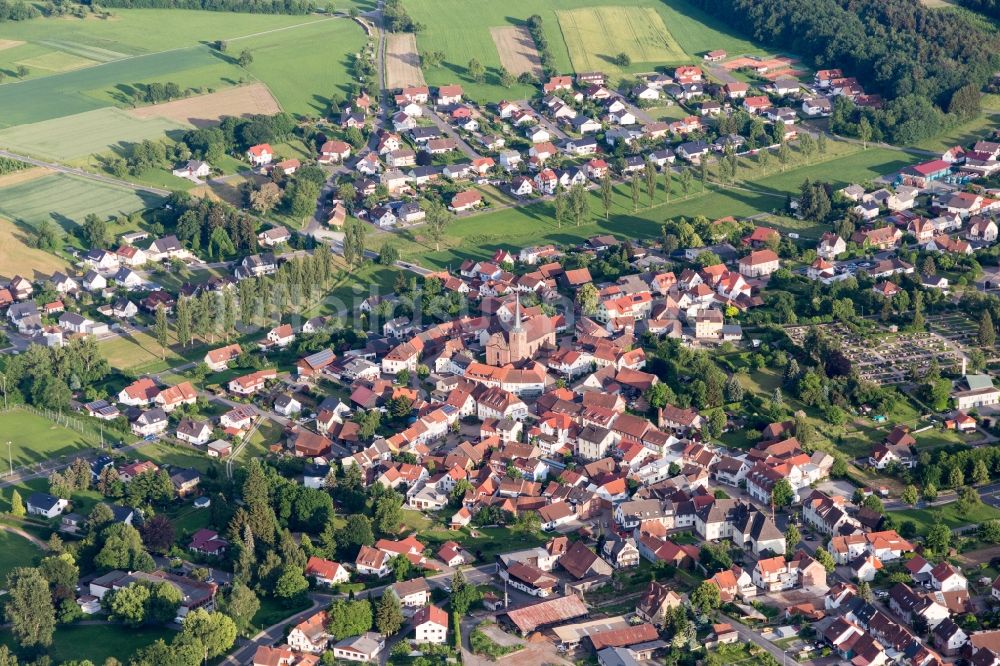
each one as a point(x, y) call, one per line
point(74, 92)
point(66, 200)
point(303, 66)
point(462, 30)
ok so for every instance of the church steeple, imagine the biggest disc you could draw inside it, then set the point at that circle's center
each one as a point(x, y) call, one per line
point(518, 337)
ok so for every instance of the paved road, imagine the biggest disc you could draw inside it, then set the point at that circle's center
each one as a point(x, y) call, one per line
point(61, 168)
point(543, 120)
point(448, 130)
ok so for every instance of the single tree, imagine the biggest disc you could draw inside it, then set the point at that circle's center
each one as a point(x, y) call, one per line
point(16, 505)
point(245, 59)
point(782, 494)
point(438, 218)
point(864, 132)
point(706, 597)
point(606, 192)
point(826, 559)
point(938, 539)
point(216, 632)
point(388, 615)
point(476, 70)
point(160, 329)
point(987, 336)
point(29, 609)
point(792, 538)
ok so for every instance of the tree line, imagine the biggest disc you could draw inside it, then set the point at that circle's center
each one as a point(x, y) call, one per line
point(243, 6)
point(922, 61)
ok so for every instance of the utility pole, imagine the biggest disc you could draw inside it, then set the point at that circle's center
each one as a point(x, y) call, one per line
point(10, 458)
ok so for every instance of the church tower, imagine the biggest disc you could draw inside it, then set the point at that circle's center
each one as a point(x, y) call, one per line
point(518, 336)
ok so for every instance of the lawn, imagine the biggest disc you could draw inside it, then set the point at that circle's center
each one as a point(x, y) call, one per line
point(97, 643)
point(79, 136)
point(18, 258)
point(305, 65)
point(947, 514)
point(855, 166)
point(66, 200)
point(595, 35)
point(461, 29)
point(35, 438)
point(351, 287)
point(177, 455)
point(137, 350)
point(15, 551)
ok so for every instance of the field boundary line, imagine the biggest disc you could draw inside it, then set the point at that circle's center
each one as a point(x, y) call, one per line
point(287, 27)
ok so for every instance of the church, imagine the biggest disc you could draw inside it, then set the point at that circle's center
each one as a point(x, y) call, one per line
point(522, 341)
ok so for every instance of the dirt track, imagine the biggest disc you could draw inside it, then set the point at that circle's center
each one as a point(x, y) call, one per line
point(402, 61)
point(203, 110)
point(517, 50)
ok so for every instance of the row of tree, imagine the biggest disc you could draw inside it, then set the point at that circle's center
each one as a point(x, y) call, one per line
point(245, 6)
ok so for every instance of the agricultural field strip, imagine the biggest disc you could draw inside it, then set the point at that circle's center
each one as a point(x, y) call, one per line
point(179, 48)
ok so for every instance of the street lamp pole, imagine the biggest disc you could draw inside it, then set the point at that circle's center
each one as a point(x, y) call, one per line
point(10, 458)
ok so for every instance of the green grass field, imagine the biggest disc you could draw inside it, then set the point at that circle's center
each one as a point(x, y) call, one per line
point(15, 551)
point(67, 200)
point(947, 514)
point(461, 29)
point(594, 35)
point(79, 136)
point(34, 438)
point(304, 66)
point(70, 93)
point(129, 32)
point(855, 166)
point(292, 55)
point(97, 643)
